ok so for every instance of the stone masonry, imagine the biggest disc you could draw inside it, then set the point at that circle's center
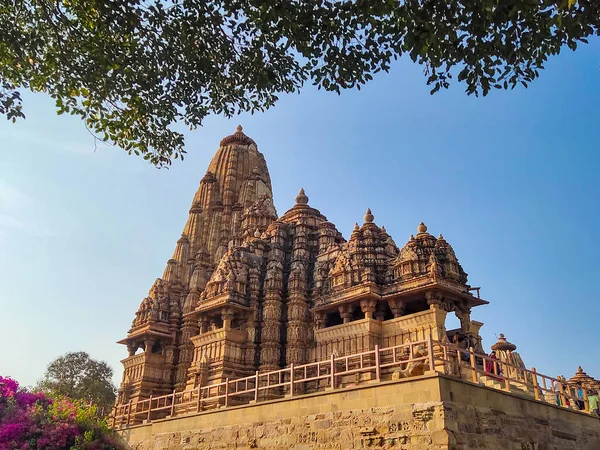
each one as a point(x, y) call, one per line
point(415, 414)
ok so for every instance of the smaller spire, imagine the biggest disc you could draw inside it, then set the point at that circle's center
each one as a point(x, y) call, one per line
point(356, 227)
point(301, 198)
point(208, 177)
point(412, 237)
point(368, 216)
point(239, 129)
point(441, 238)
point(383, 230)
point(503, 344)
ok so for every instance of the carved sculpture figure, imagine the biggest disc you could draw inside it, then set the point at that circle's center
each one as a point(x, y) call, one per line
point(413, 368)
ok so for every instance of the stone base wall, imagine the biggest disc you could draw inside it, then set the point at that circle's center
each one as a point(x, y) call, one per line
point(488, 419)
point(425, 413)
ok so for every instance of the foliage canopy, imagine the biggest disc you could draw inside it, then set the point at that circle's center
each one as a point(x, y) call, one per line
point(132, 68)
point(80, 377)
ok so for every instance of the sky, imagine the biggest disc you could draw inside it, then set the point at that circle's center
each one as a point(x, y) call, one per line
point(510, 180)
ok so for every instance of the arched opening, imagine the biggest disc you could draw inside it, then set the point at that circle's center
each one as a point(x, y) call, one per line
point(452, 322)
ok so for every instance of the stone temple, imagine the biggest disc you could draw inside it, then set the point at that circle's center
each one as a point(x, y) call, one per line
point(249, 292)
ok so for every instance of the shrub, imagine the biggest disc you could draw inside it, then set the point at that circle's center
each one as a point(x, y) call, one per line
point(36, 421)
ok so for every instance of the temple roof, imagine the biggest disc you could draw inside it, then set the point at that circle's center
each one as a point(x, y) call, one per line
point(424, 254)
point(504, 345)
point(583, 379)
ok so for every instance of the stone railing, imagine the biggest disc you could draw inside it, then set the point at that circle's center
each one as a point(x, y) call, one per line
point(378, 365)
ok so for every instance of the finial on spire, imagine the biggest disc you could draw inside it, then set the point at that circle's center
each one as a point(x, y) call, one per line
point(441, 238)
point(356, 227)
point(422, 228)
point(301, 198)
point(257, 233)
point(412, 237)
point(237, 138)
point(368, 216)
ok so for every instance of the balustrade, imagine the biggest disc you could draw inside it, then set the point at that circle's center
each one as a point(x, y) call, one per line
point(334, 372)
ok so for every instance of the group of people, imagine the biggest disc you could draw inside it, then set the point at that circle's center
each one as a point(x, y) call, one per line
point(492, 365)
point(576, 393)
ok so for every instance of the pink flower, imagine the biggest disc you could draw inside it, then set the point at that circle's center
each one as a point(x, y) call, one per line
point(25, 399)
point(8, 387)
point(12, 432)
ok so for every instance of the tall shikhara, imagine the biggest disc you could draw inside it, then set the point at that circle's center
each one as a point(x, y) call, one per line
point(247, 291)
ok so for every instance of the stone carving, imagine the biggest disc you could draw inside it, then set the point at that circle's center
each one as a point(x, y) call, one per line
point(413, 368)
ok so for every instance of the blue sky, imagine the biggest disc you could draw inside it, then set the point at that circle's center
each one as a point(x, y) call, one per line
point(510, 180)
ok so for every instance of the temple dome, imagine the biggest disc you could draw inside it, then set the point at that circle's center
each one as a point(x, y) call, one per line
point(583, 379)
point(366, 257)
point(423, 254)
point(504, 345)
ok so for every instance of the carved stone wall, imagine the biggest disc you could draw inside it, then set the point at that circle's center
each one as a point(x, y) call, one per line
point(415, 414)
point(481, 418)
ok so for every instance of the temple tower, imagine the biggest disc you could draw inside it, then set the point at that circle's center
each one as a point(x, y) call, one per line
point(237, 177)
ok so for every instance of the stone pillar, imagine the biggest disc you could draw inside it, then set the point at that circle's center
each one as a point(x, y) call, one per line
point(203, 324)
point(464, 315)
point(345, 312)
point(227, 317)
point(270, 347)
point(434, 299)
point(297, 309)
point(252, 321)
point(131, 349)
point(186, 351)
point(397, 306)
point(148, 344)
point(367, 306)
point(320, 320)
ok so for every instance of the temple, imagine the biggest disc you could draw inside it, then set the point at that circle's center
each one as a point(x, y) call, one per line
point(247, 290)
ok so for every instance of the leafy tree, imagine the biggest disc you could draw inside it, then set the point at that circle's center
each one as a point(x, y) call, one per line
point(132, 68)
point(79, 377)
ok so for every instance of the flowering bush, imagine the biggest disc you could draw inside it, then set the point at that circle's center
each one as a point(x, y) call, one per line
point(34, 421)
